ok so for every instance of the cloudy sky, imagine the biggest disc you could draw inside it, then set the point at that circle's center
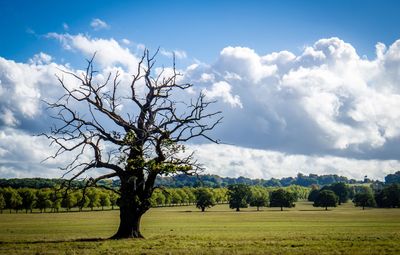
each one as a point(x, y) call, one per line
point(304, 86)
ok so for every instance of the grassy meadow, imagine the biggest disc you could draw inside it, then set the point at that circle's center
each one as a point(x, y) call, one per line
point(185, 230)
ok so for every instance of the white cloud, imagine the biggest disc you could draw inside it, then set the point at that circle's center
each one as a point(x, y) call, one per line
point(41, 59)
point(108, 51)
point(21, 86)
point(98, 24)
point(235, 161)
point(8, 118)
point(316, 108)
point(179, 54)
point(222, 90)
point(326, 100)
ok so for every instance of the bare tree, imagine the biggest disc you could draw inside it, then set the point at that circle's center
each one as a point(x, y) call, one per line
point(135, 145)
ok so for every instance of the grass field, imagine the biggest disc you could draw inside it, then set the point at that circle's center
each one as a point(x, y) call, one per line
point(185, 230)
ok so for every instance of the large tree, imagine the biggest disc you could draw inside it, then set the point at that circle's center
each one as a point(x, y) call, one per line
point(134, 130)
point(204, 198)
point(282, 198)
point(239, 196)
point(326, 198)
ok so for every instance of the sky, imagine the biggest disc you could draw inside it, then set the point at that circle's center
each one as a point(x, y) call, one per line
point(304, 86)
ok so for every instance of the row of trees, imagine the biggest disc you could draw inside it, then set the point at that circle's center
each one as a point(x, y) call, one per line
point(364, 196)
point(28, 199)
point(207, 180)
point(43, 199)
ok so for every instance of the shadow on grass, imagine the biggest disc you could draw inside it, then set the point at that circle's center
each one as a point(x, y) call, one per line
point(57, 241)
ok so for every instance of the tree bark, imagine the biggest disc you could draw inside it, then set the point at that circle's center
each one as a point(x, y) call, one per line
point(237, 209)
point(131, 209)
point(202, 209)
point(129, 226)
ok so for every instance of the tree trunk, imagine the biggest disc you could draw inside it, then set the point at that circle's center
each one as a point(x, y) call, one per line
point(202, 209)
point(326, 208)
point(281, 208)
point(129, 226)
point(237, 209)
point(131, 209)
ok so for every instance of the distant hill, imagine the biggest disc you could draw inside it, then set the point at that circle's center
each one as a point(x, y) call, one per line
point(206, 180)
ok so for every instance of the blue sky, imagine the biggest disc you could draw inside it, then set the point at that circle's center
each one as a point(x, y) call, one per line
point(201, 28)
point(304, 86)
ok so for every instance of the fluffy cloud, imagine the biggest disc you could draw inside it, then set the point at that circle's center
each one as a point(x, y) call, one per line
point(228, 160)
point(326, 100)
point(222, 90)
point(23, 86)
point(109, 53)
point(180, 54)
point(325, 110)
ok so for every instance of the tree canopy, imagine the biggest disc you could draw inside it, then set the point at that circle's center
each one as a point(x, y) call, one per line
point(326, 198)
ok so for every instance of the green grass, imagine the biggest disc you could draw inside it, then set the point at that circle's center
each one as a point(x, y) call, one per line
point(185, 230)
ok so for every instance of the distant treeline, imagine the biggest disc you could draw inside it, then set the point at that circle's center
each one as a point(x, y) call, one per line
point(212, 181)
point(61, 199)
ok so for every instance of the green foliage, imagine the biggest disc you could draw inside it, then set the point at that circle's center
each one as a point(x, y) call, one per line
point(28, 198)
point(93, 198)
point(282, 198)
point(326, 198)
point(2, 202)
point(239, 196)
point(313, 195)
point(393, 178)
point(364, 199)
point(81, 201)
point(113, 199)
point(42, 200)
point(104, 200)
point(389, 196)
point(341, 190)
point(259, 197)
point(68, 201)
point(204, 198)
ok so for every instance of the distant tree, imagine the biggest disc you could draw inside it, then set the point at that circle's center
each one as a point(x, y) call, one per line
point(55, 201)
point(42, 200)
point(184, 197)
point(190, 192)
point(239, 196)
point(313, 195)
point(259, 197)
point(2, 203)
point(220, 195)
point(204, 198)
point(393, 178)
point(68, 201)
point(113, 199)
point(175, 197)
point(341, 190)
point(81, 199)
point(104, 200)
point(389, 196)
point(28, 198)
point(282, 198)
point(365, 199)
point(93, 197)
point(326, 198)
